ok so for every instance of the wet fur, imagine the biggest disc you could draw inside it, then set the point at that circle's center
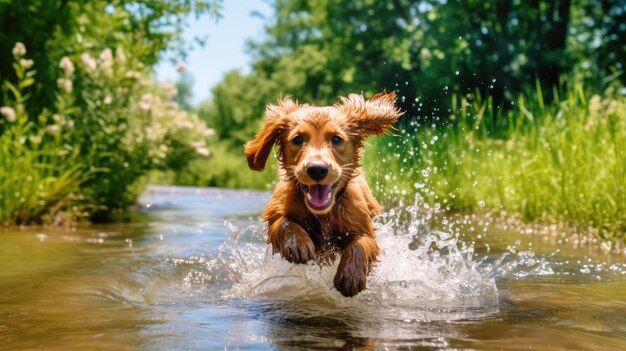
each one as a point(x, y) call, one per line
point(295, 230)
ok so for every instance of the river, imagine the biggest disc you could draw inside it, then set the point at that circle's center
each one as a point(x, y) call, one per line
point(196, 274)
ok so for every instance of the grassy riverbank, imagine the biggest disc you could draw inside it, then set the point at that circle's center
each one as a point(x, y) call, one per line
point(563, 162)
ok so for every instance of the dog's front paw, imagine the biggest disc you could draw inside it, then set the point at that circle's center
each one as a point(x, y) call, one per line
point(297, 246)
point(351, 276)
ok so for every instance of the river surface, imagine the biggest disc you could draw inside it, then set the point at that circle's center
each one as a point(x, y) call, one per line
point(197, 275)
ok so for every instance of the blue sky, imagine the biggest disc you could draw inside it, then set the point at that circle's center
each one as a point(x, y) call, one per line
point(225, 46)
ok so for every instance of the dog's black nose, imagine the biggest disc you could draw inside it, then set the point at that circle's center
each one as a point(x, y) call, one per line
point(317, 170)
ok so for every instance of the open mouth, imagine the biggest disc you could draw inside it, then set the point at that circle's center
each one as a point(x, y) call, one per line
point(319, 196)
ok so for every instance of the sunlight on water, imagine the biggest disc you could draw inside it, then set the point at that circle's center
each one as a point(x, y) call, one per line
point(422, 274)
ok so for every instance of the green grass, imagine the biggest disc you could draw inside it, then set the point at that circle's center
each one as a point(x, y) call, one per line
point(39, 183)
point(563, 162)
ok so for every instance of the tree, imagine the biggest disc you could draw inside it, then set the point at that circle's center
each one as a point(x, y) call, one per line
point(51, 29)
point(317, 50)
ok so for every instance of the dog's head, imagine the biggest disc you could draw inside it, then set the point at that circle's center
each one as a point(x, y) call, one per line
point(319, 147)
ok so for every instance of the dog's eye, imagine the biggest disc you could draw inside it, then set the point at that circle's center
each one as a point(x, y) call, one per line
point(336, 140)
point(298, 140)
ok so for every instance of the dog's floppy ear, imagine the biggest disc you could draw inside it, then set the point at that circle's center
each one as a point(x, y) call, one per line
point(373, 116)
point(258, 149)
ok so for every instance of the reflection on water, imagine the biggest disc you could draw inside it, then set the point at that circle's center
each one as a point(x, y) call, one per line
point(198, 275)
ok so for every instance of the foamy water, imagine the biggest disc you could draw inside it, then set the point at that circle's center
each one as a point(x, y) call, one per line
point(421, 273)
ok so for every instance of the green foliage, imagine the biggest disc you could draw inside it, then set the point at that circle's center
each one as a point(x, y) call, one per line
point(52, 29)
point(500, 140)
point(40, 172)
point(225, 167)
point(89, 161)
point(91, 123)
point(316, 50)
point(128, 125)
point(559, 162)
point(237, 108)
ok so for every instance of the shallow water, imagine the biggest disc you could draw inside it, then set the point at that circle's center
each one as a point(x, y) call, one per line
point(198, 275)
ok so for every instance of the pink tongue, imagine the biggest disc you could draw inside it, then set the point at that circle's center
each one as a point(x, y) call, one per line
point(319, 194)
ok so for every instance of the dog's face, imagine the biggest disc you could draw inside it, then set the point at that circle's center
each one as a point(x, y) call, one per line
point(318, 153)
point(320, 146)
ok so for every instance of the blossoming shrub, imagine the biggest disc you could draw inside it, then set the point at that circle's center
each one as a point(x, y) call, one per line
point(86, 155)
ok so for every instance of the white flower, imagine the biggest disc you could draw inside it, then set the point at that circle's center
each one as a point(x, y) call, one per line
point(88, 61)
point(171, 106)
point(146, 102)
point(58, 119)
point(203, 151)
point(169, 89)
point(150, 134)
point(106, 55)
point(19, 50)
point(53, 128)
point(133, 74)
point(67, 66)
point(65, 84)
point(197, 144)
point(35, 139)
point(26, 63)
point(8, 113)
point(144, 106)
point(120, 55)
point(184, 124)
point(180, 68)
point(208, 132)
point(107, 100)
point(106, 58)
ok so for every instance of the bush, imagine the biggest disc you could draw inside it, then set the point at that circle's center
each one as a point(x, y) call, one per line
point(110, 125)
point(226, 167)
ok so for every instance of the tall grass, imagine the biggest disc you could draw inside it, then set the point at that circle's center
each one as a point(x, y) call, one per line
point(563, 162)
point(38, 183)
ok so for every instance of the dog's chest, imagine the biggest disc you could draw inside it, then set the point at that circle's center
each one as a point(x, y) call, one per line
point(327, 232)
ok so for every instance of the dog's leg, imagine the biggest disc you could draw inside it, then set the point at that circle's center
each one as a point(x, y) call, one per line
point(356, 262)
point(291, 241)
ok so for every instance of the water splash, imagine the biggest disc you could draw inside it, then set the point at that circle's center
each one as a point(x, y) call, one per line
point(418, 267)
point(422, 273)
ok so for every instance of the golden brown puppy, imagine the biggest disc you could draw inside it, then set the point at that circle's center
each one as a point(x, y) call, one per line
point(322, 203)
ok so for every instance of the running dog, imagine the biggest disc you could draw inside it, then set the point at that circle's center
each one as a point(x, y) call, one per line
point(322, 204)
